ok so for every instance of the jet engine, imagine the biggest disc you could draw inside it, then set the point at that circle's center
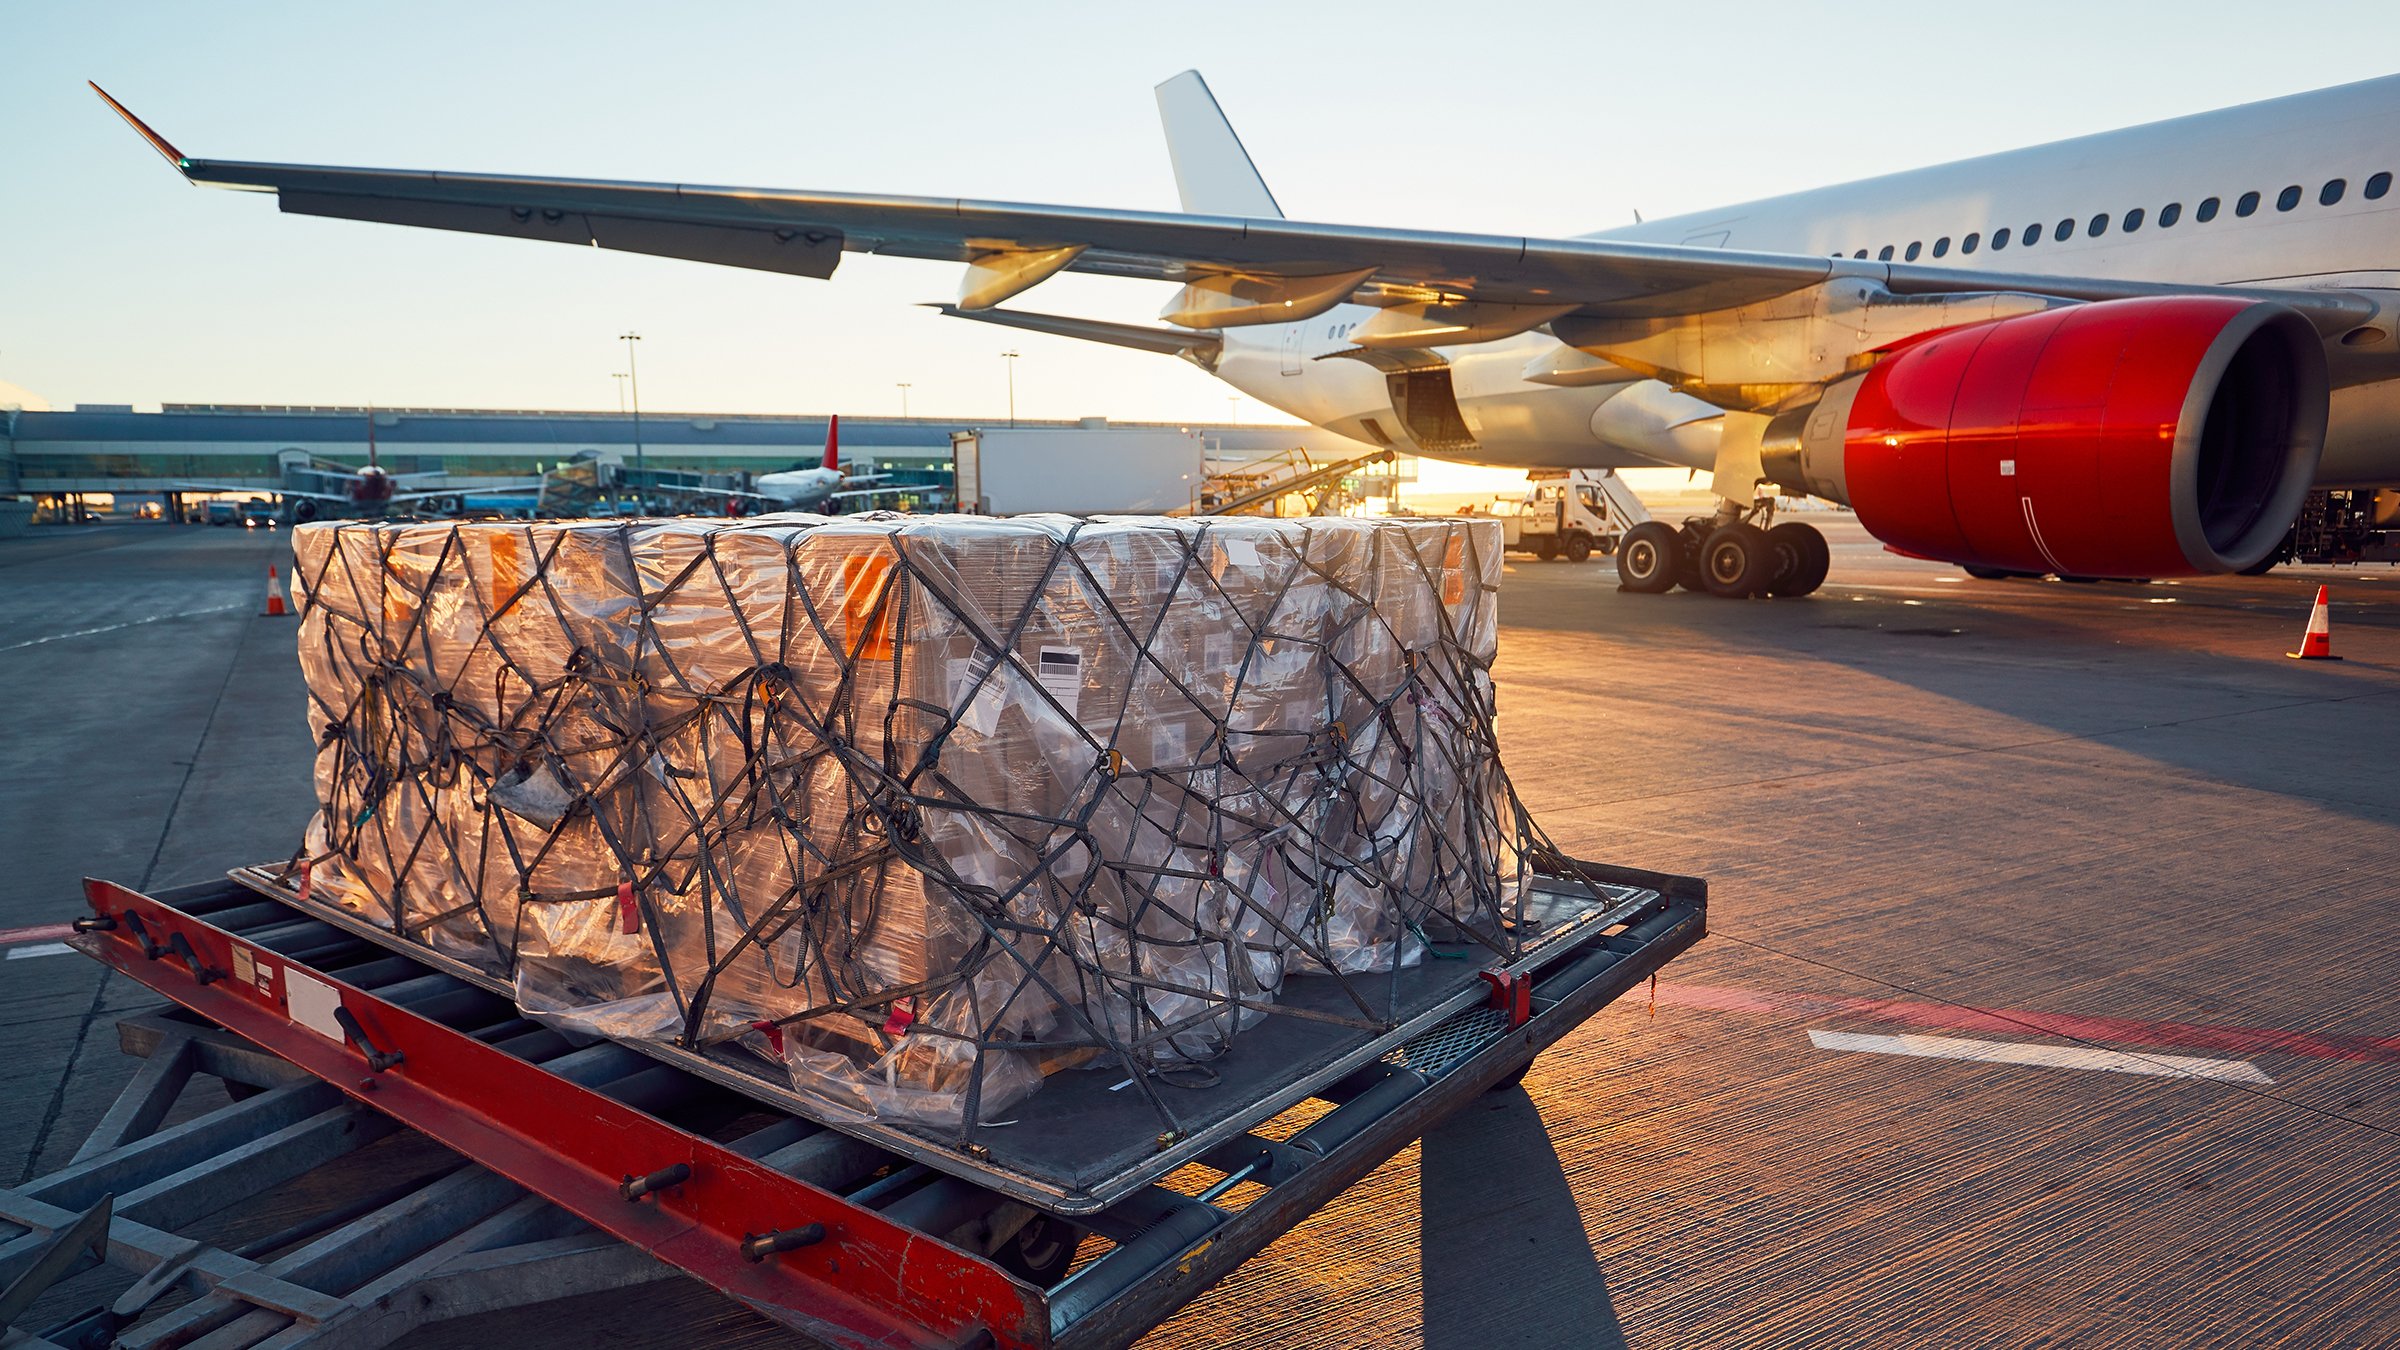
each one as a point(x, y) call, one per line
point(2166, 436)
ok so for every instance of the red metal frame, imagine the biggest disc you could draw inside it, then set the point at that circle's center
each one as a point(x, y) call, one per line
point(869, 1283)
point(1512, 993)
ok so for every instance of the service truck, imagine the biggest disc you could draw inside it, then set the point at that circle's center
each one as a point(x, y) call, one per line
point(1091, 469)
point(1570, 514)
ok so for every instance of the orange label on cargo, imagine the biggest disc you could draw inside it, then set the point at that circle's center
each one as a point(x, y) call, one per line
point(508, 569)
point(1454, 570)
point(867, 618)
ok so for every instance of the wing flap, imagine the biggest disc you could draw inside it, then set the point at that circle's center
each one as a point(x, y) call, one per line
point(770, 250)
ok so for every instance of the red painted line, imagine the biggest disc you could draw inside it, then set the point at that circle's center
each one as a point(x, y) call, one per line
point(2116, 1030)
point(48, 932)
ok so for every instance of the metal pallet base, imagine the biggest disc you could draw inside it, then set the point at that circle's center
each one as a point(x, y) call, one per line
point(1080, 1145)
point(851, 1243)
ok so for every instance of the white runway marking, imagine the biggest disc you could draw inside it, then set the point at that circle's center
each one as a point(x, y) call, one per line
point(39, 949)
point(110, 628)
point(2049, 1056)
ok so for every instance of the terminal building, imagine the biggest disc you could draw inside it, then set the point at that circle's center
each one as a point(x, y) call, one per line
point(59, 457)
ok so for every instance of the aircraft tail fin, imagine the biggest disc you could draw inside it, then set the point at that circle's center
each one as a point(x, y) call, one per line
point(833, 441)
point(1213, 173)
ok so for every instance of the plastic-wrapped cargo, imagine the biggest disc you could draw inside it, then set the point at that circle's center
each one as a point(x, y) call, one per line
point(919, 809)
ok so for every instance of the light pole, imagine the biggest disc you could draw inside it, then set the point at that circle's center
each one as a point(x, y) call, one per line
point(641, 465)
point(1233, 406)
point(1012, 386)
point(619, 377)
point(903, 400)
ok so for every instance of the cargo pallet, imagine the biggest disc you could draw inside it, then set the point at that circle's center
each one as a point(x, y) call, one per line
point(584, 1168)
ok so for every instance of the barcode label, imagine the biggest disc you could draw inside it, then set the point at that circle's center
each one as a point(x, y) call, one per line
point(1061, 672)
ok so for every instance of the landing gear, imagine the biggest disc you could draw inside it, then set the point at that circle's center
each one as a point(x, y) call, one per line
point(1736, 561)
point(1731, 554)
point(1802, 559)
point(1650, 559)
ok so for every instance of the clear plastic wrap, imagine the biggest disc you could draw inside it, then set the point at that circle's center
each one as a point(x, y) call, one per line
point(919, 809)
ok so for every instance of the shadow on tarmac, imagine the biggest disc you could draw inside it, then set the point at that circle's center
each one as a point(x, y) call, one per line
point(1503, 1259)
point(2079, 661)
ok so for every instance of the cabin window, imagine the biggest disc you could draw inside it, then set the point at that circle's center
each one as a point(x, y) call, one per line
point(2033, 234)
point(2169, 214)
point(2133, 220)
point(2207, 211)
point(1885, 253)
point(2288, 198)
point(2378, 185)
point(2000, 237)
point(1967, 245)
point(1915, 247)
point(1860, 254)
point(2247, 205)
point(2064, 230)
point(2099, 225)
point(2332, 192)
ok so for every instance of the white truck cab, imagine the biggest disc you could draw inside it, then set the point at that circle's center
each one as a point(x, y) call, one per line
point(1570, 513)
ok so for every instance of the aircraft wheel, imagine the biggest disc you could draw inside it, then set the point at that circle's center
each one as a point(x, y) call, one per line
point(1579, 548)
point(1801, 559)
point(1650, 559)
point(1547, 549)
point(1988, 573)
point(2262, 566)
point(1736, 561)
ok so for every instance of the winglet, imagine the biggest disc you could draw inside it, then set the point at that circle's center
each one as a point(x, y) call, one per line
point(1213, 173)
point(157, 142)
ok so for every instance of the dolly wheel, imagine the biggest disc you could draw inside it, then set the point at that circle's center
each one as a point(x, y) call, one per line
point(1041, 1251)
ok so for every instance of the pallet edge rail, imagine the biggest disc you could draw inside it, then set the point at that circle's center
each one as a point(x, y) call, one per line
point(814, 1230)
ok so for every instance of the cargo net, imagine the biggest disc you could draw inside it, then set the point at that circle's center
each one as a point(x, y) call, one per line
point(918, 809)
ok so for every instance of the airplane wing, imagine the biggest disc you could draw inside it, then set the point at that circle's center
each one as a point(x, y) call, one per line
point(257, 491)
point(1010, 246)
point(496, 490)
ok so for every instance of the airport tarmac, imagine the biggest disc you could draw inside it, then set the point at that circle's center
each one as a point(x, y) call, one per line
point(2047, 1002)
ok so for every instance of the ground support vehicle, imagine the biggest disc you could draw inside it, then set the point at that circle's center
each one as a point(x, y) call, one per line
point(2356, 526)
point(1570, 514)
point(598, 1166)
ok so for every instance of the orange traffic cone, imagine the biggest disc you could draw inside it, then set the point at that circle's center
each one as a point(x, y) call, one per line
point(2317, 643)
point(274, 609)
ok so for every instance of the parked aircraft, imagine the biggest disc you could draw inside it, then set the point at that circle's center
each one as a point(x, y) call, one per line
point(817, 487)
point(2136, 354)
point(316, 488)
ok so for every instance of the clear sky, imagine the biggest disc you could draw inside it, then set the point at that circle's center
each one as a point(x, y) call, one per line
point(123, 285)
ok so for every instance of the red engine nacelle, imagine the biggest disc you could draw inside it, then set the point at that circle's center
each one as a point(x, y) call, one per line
point(2128, 438)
